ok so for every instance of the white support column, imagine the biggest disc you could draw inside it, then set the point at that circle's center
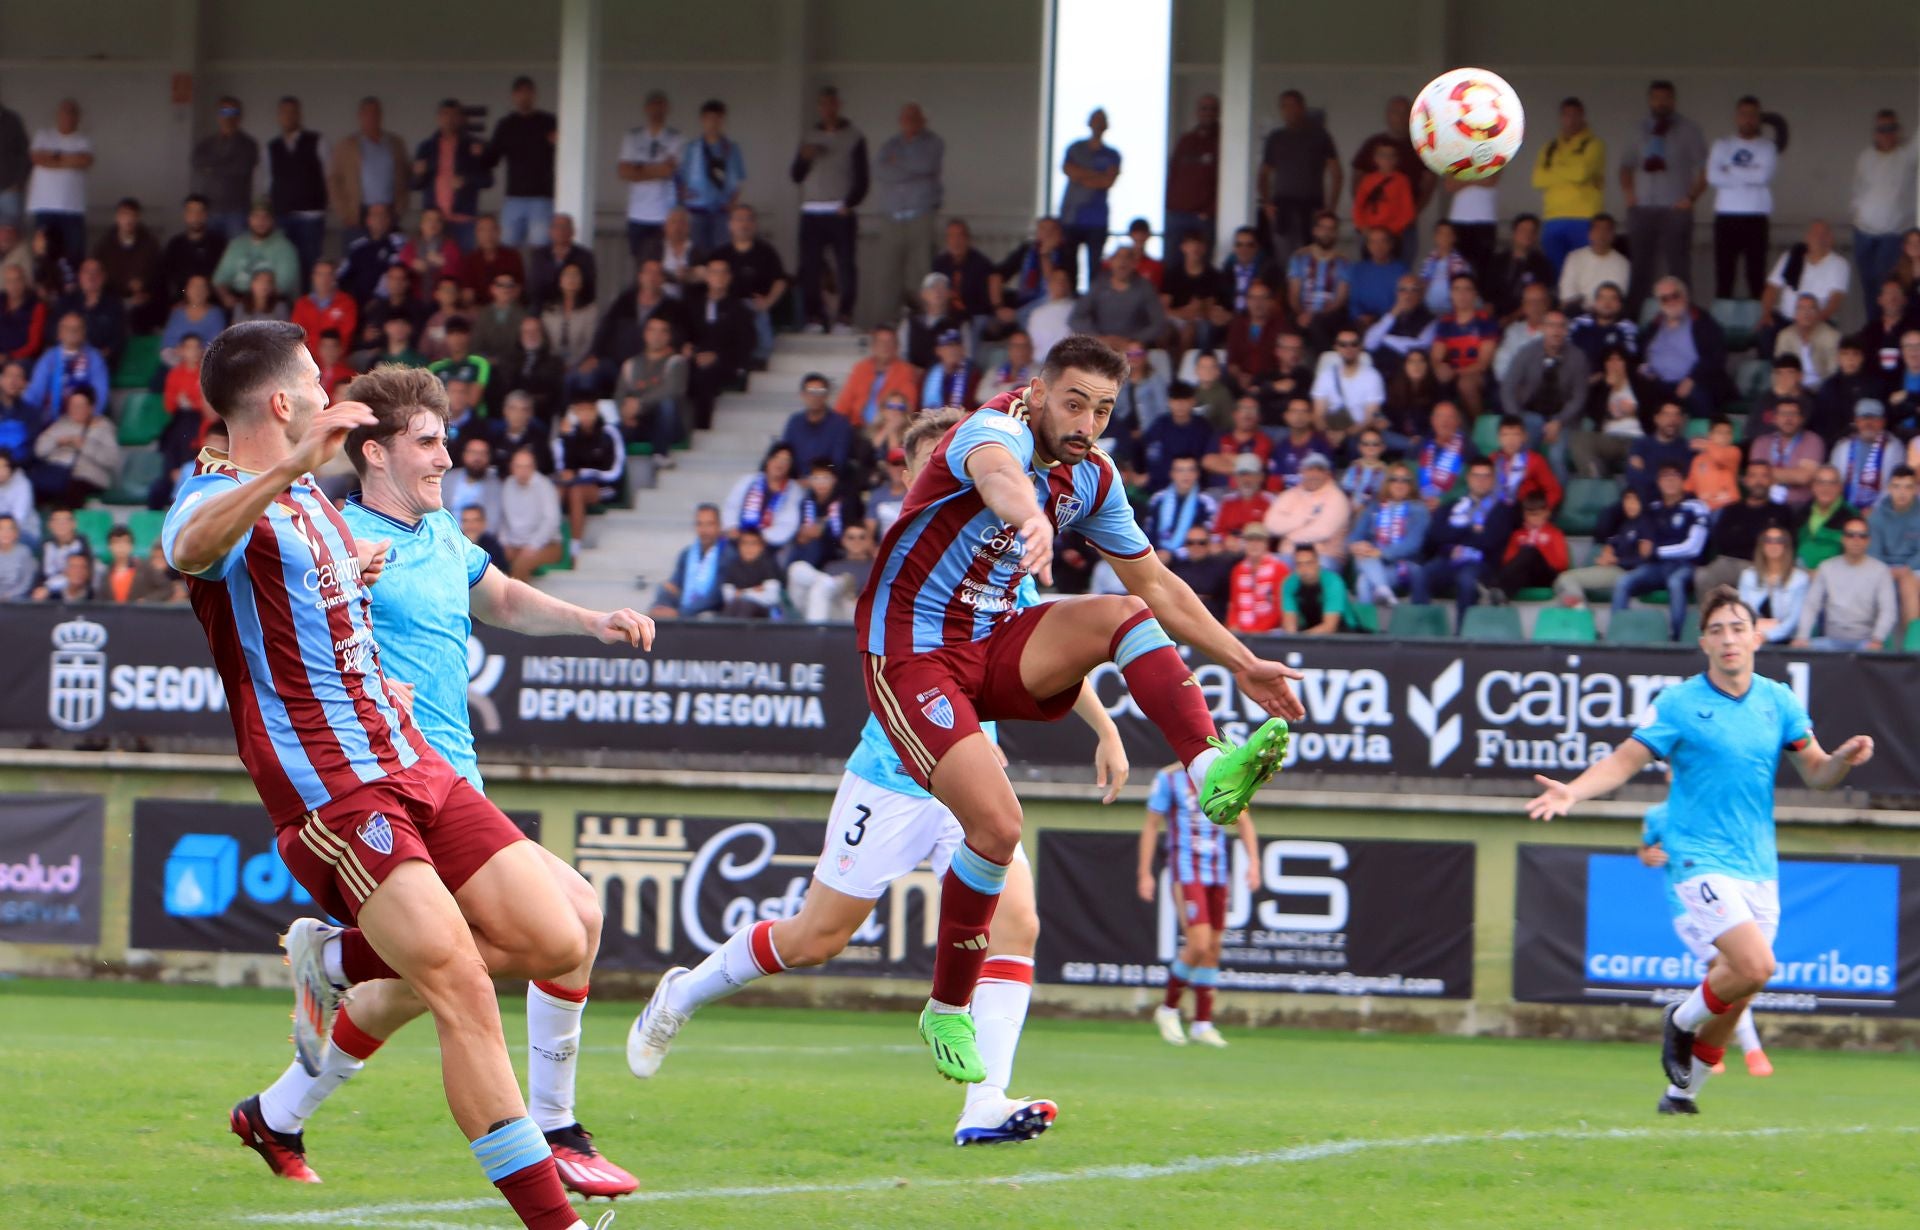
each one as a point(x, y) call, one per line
point(185, 121)
point(1238, 158)
point(1043, 139)
point(793, 90)
point(575, 177)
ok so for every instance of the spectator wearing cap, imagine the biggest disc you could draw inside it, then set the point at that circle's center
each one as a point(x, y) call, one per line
point(814, 432)
point(974, 281)
point(1253, 603)
point(589, 463)
point(909, 180)
point(1247, 501)
point(130, 255)
point(758, 276)
point(465, 418)
point(1177, 433)
point(711, 171)
point(449, 170)
point(881, 374)
point(224, 163)
point(1868, 457)
point(524, 138)
point(1793, 452)
point(1467, 542)
point(1244, 441)
point(951, 380)
point(259, 246)
point(1179, 507)
point(1121, 307)
point(1387, 539)
point(369, 167)
point(1894, 537)
point(650, 166)
point(920, 333)
point(1314, 512)
point(1313, 600)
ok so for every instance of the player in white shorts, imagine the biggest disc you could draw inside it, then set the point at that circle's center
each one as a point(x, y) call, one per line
point(884, 825)
point(1699, 938)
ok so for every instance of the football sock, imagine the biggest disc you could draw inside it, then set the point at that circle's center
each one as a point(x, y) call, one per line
point(1203, 980)
point(1162, 685)
point(350, 959)
point(747, 956)
point(1198, 766)
point(1700, 1007)
point(968, 896)
point(1178, 975)
point(518, 1161)
point(1704, 1057)
point(1745, 1034)
point(289, 1102)
point(999, 1012)
point(553, 1052)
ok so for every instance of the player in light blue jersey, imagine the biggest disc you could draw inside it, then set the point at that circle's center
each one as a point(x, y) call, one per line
point(882, 826)
point(1653, 853)
point(432, 585)
point(1721, 733)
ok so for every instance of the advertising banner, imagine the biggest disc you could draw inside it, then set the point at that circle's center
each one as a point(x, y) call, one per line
point(208, 877)
point(50, 846)
point(674, 888)
point(1595, 926)
point(1330, 917)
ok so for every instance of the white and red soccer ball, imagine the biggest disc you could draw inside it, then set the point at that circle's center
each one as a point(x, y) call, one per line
point(1467, 124)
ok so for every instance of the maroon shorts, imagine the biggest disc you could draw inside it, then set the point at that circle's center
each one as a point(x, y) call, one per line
point(343, 851)
point(1204, 903)
point(927, 702)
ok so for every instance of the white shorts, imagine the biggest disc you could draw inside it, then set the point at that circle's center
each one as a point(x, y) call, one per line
point(1716, 904)
point(876, 835)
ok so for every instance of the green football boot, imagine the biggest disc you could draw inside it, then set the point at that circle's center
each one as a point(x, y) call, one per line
point(1239, 772)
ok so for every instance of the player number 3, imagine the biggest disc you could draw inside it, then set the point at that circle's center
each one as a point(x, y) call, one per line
point(858, 833)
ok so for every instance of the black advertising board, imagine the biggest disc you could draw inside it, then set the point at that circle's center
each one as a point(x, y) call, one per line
point(1391, 918)
point(50, 848)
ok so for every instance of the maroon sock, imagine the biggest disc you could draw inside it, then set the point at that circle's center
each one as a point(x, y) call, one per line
point(536, 1195)
point(965, 913)
point(1202, 1004)
point(1162, 685)
point(358, 959)
point(1174, 987)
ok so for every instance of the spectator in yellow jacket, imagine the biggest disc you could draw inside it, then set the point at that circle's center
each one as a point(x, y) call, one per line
point(1570, 172)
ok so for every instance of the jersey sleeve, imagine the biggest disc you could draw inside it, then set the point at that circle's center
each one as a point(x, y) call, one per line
point(1109, 524)
point(1663, 731)
point(1654, 825)
point(477, 560)
point(984, 427)
point(194, 492)
point(1796, 727)
point(1160, 799)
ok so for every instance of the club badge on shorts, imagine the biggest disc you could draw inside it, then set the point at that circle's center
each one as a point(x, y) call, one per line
point(938, 710)
point(377, 833)
point(844, 863)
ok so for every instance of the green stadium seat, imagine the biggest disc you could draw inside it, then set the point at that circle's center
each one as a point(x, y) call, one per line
point(1753, 378)
point(145, 525)
point(1585, 500)
point(1690, 626)
point(142, 420)
point(1638, 626)
point(1535, 593)
point(1739, 320)
point(1491, 623)
point(1565, 623)
point(94, 525)
point(1411, 620)
point(138, 469)
point(1362, 617)
point(139, 363)
point(1911, 641)
point(1486, 434)
point(1697, 428)
point(639, 448)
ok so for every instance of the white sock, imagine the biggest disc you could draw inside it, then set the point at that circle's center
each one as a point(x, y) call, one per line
point(999, 1013)
point(1693, 1013)
point(726, 969)
point(1198, 766)
point(336, 972)
point(1745, 1034)
point(289, 1102)
point(553, 1056)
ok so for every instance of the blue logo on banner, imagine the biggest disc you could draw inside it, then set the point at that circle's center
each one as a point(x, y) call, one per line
point(204, 872)
point(1839, 927)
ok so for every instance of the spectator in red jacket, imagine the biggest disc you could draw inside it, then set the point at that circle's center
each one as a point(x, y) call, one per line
point(874, 378)
point(1250, 336)
point(325, 307)
point(1248, 503)
point(1520, 473)
point(1254, 601)
point(1536, 552)
point(1384, 196)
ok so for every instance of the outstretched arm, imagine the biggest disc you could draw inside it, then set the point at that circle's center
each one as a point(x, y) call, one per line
point(1008, 494)
point(506, 603)
point(1110, 758)
point(1149, 839)
point(1252, 844)
point(1560, 798)
point(1823, 770)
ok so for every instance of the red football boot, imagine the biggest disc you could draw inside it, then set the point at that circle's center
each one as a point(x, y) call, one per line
point(583, 1169)
point(285, 1153)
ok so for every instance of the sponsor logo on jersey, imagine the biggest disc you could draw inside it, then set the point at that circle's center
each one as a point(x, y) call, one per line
point(377, 833)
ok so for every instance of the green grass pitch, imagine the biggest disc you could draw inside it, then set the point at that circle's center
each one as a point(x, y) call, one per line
point(116, 1099)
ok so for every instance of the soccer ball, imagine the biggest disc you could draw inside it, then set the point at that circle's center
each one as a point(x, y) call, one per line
point(1467, 124)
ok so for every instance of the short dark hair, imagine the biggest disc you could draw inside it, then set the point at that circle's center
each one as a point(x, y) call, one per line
point(928, 426)
point(1295, 95)
point(1306, 548)
point(522, 82)
point(1673, 467)
point(197, 198)
point(119, 531)
point(1512, 420)
point(1526, 217)
point(1534, 503)
point(394, 394)
point(1603, 216)
point(713, 106)
point(127, 202)
point(289, 98)
point(248, 357)
point(1572, 100)
point(1480, 463)
point(1746, 100)
point(1087, 353)
point(1718, 599)
point(1180, 389)
point(449, 102)
point(1660, 83)
point(1901, 472)
point(83, 391)
point(1320, 215)
point(706, 506)
point(1853, 341)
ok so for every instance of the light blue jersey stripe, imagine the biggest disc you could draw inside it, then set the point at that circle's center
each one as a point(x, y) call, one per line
point(266, 693)
point(315, 635)
point(883, 593)
point(370, 680)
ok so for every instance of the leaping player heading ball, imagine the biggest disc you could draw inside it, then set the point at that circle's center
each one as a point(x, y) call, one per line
point(946, 650)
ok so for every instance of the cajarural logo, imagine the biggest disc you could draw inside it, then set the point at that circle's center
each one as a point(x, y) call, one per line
point(77, 686)
point(1425, 708)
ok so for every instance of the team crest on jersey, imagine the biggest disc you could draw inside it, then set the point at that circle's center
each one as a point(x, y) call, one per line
point(1066, 509)
point(939, 710)
point(377, 833)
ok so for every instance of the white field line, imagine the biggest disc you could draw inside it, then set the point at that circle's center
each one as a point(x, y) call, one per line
point(398, 1216)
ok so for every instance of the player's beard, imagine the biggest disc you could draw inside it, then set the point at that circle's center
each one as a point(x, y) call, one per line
point(1057, 447)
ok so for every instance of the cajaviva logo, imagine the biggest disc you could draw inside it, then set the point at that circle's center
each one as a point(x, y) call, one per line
point(34, 876)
